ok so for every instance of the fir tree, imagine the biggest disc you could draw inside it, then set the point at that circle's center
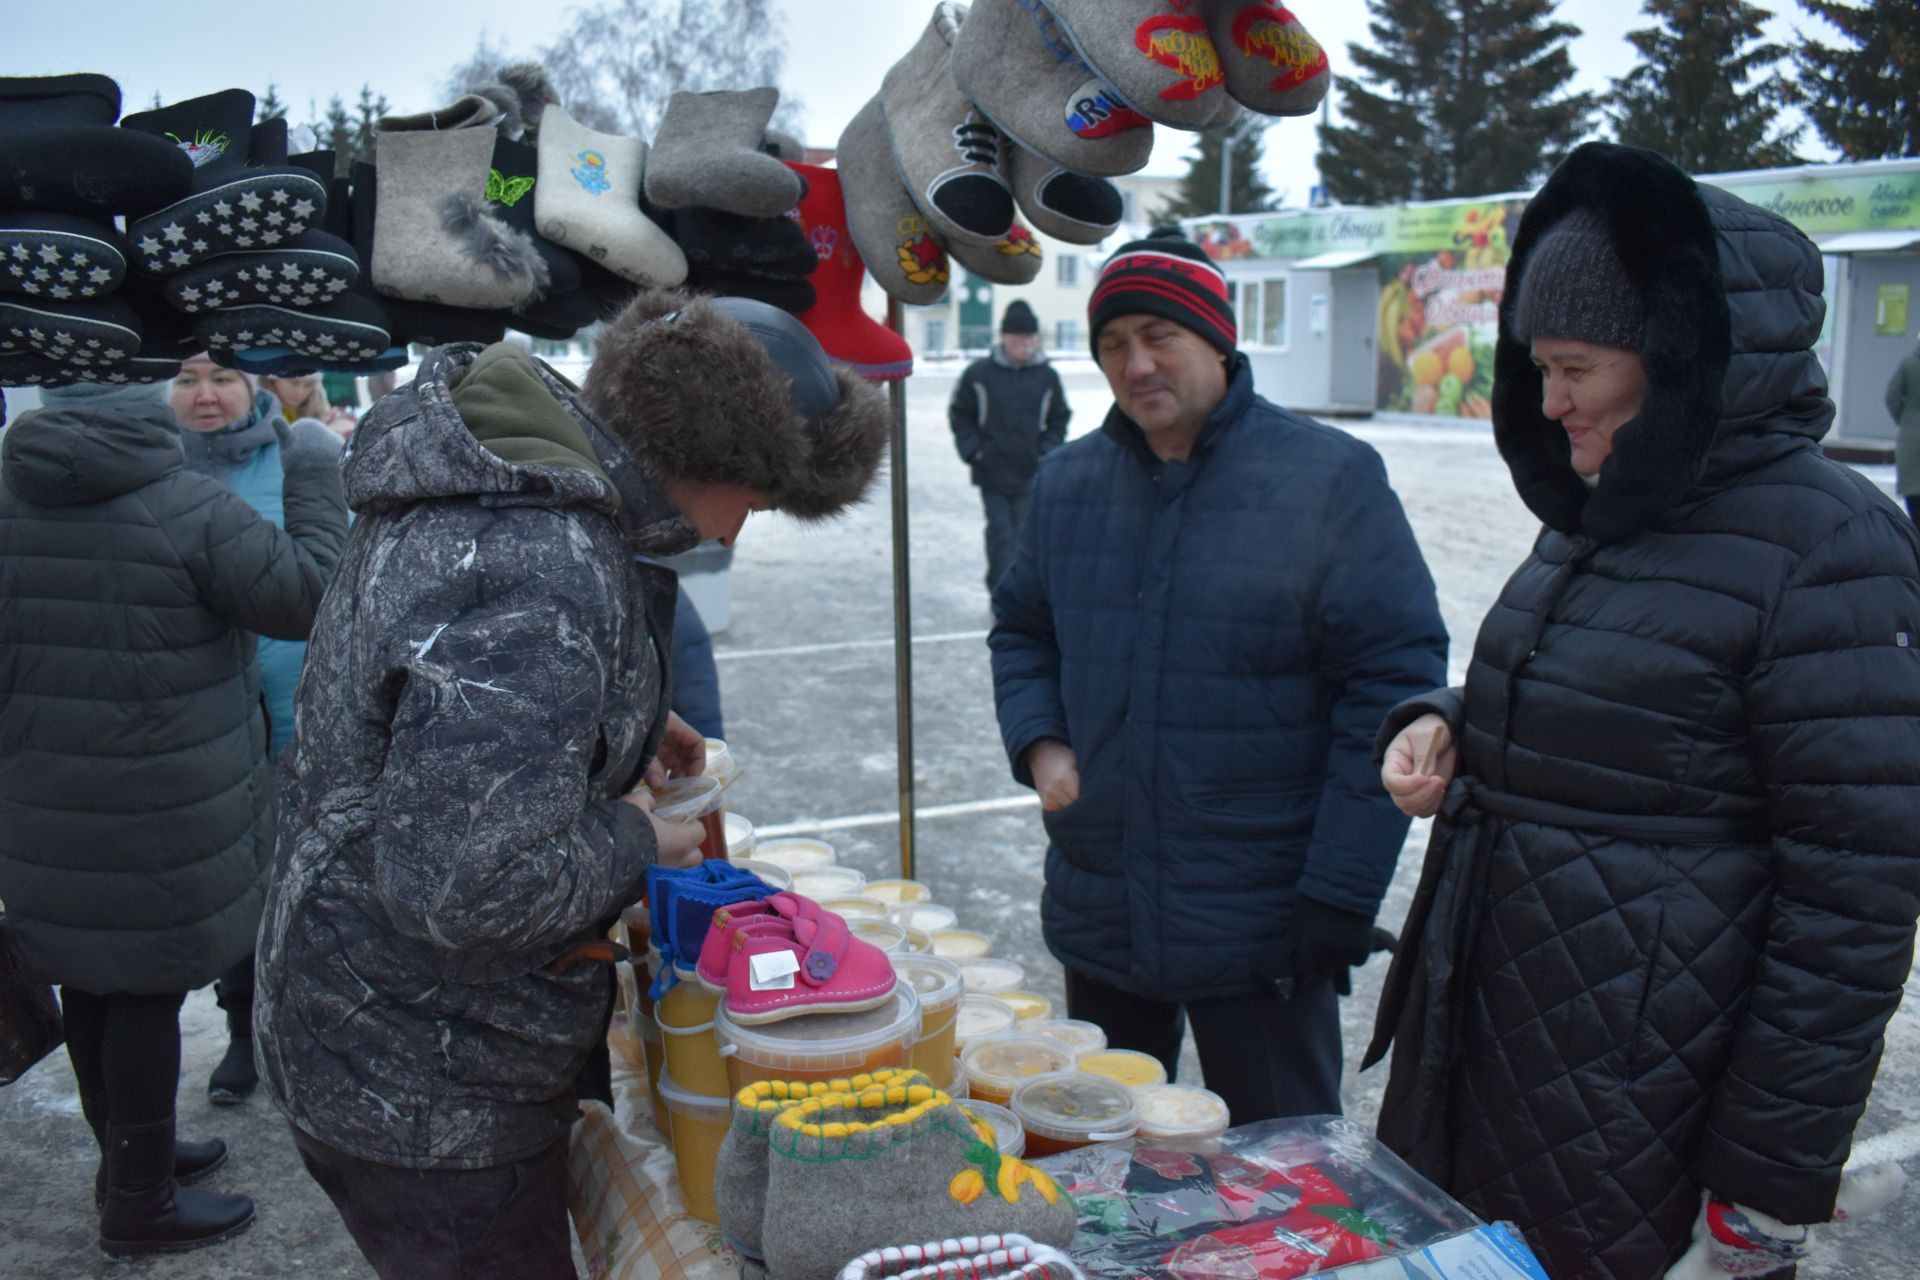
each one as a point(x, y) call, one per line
point(1468, 97)
point(269, 107)
point(1864, 99)
point(1200, 188)
point(1690, 100)
point(370, 108)
point(337, 132)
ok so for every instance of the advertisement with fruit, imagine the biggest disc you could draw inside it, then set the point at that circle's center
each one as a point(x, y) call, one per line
point(1439, 315)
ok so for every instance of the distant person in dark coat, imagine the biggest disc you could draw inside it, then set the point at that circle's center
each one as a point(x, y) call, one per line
point(1213, 605)
point(1007, 412)
point(136, 829)
point(1903, 402)
point(1669, 901)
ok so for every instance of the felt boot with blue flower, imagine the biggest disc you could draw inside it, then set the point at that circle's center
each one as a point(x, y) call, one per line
point(588, 199)
point(849, 1172)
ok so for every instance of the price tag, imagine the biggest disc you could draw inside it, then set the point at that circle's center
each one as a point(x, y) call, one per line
point(774, 970)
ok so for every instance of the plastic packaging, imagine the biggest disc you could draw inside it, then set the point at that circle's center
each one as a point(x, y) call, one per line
point(1082, 1037)
point(990, 975)
point(960, 944)
point(794, 852)
point(979, 1017)
point(821, 1046)
point(686, 1017)
point(740, 837)
point(1030, 1006)
point(928, 916)
point(699, 799)
point(1181, 1112)
point(853, 906)
point(700, 1124)
point(720, 762)
point(1009, 1135)
point(828, 882)
point(899, 892)
point(777, 876)
point(884, 934)
point(937, 983)
point(919, 940)
point(1073, 1109)
point(997, 1065)
point(1129, 1067)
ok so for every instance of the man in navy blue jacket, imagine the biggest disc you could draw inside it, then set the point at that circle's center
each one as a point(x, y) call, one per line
point(1213, 605)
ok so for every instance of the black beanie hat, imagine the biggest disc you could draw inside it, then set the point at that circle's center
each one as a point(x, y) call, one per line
point(1167, 275)
point(1575, 286)
point(1018, 318)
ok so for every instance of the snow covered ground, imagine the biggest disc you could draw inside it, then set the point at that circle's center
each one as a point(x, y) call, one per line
point(807, 674)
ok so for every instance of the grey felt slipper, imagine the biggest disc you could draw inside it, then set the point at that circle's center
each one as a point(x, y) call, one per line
point(899, 248)
point(310, 269)
point(947, 151)
point(1272, 63)
point(707, 153)
point(1059, 202)
point(1014, 258)
point(1015, 64)
point(60, 256)
point(469, 111)
point(1157, 54)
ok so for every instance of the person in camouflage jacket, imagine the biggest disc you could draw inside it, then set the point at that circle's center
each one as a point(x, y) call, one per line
point(463, 803)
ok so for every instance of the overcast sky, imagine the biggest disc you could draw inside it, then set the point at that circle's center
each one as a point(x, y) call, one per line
point(838, 50)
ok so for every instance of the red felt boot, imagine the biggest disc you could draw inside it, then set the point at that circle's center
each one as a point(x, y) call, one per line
point(848, 334)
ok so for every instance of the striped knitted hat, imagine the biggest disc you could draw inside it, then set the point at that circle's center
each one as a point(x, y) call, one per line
point(1167, 275)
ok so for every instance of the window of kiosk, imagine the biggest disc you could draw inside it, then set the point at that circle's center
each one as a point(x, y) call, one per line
point(1262, 308)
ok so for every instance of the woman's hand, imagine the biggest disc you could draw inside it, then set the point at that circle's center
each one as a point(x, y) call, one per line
point(683, 753)
point(1419, 766)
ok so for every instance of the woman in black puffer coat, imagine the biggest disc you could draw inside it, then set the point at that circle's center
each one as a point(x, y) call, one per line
point(1669, 903)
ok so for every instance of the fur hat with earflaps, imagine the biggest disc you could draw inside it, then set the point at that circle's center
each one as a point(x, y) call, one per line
point(733, 391)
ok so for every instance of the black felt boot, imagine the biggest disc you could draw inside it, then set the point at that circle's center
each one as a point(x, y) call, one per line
point(235, 1079)
point(192, 1161)
point(147, 1211)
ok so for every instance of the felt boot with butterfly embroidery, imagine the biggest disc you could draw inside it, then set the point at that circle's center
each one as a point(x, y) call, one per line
point(947, 151)
point(434, 239)
point(588, 199)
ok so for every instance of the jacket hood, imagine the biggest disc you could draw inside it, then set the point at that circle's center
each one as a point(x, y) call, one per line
point(1733, 307)
point(531, 443)
point(1037, 361)
point(232, 446)
point(88, 451)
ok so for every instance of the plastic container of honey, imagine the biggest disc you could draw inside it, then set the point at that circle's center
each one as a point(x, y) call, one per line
point(686, 1017)
point(652, 1043)
point(821, 1046)
point(926, 916)
point(699, 799)
point(1080, 1036)
point(884, 934)
point(919, 940)
point(1075, 1109)
point(1009, 1135)
point(700, 1124)
point(1181, 1113)
point(956, 1088)
point(721, 765)
point(937, 983)
point(777, 876)
point(828, 882)
point(960, 944)
point(898, 892)
point(978, 1017)
point(1129, 1067)
point(990, 975)
point(793, 853)
point(740, 838)
point(997, 1065)
point(853, 906)
point(1029, 1006)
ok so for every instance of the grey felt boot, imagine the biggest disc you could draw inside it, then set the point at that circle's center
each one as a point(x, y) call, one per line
point(947, 151)
point(588, 199)
point(1014, 258)
point(1157, 54)
point(1059, 202)
point(1013, 62)
point(900, 250)
point(707, 152)
point(851, 1172)
point(1272, 63)
point(433, 239)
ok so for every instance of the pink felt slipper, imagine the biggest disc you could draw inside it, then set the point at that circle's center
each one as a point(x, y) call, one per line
point(820, 968)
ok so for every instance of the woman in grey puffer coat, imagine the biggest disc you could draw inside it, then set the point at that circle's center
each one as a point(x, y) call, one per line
point(135, 823)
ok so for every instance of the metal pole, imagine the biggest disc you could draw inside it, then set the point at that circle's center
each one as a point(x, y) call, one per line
point(902, 605)
point(1226, 170)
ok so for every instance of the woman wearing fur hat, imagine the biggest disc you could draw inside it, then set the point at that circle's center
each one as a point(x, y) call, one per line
point(1669, 902)
point(465, 804)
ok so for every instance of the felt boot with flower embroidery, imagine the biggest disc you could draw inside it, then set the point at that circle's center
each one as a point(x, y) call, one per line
point(846, 332)
point(740, 1177)
point(897, 244)
point(849, 1172)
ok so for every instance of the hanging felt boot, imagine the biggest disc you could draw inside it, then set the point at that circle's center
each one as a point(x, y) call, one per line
point(714, 238)
point(433, 238)
point(1065, 205)
point(1272, 63)
point(352, 329)
point(230, 206)
point(707, 152)
point(234, 1080)
point(60, 256)
point(849, 1172)
point(588, 199)
point(192, 1161)
point(82, 335)
point(60, 151)
point(891, 236)
point(1156, 54)
point(947, 152)
point(147, 1211)
point(1014, 63)
point(307, 270)
point(1014, 258)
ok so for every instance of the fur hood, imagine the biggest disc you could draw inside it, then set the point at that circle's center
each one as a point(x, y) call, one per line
point(1733, 307)
point(700, 399)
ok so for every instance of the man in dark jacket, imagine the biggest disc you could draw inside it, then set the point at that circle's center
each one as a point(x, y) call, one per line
point(1213, 604)
point(464, 804)
point(1007, 411)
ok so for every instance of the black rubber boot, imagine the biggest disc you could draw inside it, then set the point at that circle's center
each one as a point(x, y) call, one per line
point(192, 1161)
point(235, 1079)
point(147, 1211)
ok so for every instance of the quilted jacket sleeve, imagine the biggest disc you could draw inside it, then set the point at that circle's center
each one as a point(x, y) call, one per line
point(1381, 641)
point(966, 413)
point(486, 841)
point(1834, 712)
point(1054, 433)
point(1026, 652)
point(258, 576)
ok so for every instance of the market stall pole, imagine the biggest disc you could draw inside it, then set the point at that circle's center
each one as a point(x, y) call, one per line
point(902, 606)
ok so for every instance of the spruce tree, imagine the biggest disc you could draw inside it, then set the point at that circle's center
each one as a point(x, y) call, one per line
point(1466, 97)
point(338, 133)
point(1864, 99)
point(370, 108)
point(269, 107)
point(1705, 94)
point(1200, 188)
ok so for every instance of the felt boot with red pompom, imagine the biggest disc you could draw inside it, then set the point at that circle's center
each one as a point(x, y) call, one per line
point(847, 334)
